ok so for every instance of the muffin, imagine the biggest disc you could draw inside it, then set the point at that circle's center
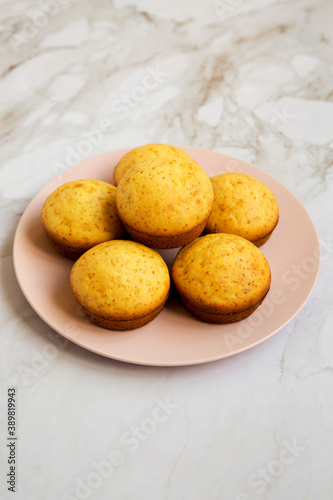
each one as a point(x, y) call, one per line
point(165, 202)
point(243, 206)
point(221, 278)
point(81, 214)
point(120, 284)
point(148, 152)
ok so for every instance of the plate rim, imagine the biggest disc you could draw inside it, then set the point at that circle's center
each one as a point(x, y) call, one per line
point(120, 151)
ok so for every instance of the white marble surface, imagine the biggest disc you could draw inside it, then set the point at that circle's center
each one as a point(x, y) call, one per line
point(251, 79)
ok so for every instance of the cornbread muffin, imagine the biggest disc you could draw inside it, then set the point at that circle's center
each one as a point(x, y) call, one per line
point(81, 214)
point(221, 278)
point(148, 152)
point(165, 203)
point(244, 206)
point(120, 284)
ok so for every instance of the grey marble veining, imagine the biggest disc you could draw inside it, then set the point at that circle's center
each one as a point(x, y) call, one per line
point(249, 79)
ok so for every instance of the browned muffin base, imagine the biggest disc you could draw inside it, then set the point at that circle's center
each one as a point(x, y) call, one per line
point(165, 242)
point(259, 241)
point(221, 318)
point(123, 324)
point(69, 252)
point(263, 240)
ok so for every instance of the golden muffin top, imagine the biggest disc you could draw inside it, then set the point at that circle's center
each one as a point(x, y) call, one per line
point(143, 153)
point(165, 196)
point(221, 273)
point(82, 213)
point(243, 205)
point(121, 279)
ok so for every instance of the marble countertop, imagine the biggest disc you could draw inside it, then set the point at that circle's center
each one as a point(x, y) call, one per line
point(250, 79)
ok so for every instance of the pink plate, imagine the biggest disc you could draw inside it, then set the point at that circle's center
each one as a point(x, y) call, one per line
point(174, 337)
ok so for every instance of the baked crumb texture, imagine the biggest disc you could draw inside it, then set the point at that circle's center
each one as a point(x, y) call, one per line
point(81, 214)
point(147, 152)
point(165, 200)
point(221, 278)
point(243, 206)
point(121, 284)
